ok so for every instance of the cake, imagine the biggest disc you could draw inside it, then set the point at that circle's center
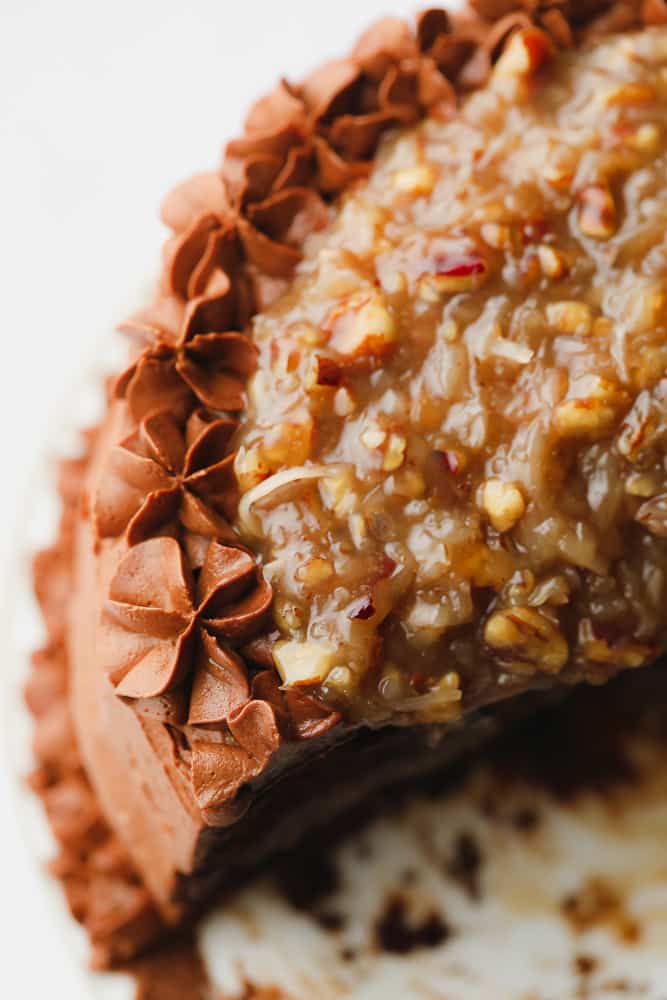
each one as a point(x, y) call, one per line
point(388, 464)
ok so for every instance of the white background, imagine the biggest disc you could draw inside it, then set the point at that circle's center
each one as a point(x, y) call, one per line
point(103, 106)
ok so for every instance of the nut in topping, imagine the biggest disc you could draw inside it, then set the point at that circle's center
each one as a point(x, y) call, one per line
point(452, 275)
point(363, 327)
point(449, 331)
point(306, 333)
point(314, 572)
point(358, 529)
point(628, 94)
point(602, 326)
point(646, 139)
point(250, 467)
point(525, 53)
point(559, 175)
point(503, 502)
point(341, 679)
point(597, 212)
point(338, 492)
point(373, 437)
point(653, 515)
point(593, 412)
point(639, 484)
point(415, 180)
point(644, 306)
point(649, 367)
point(630, 655)
point(554, 264)
point(496, 236)
point(394, 282)
point(583, 417)
point(570, 317)
point(406, 483)
point(303, 663)
point(532, 640)
point(394, 452)
point(391, 685)
point(442, 703)
point(450, 684)
point(510, 350)
point(288, 616)
point(288, 443)
point(344, 403)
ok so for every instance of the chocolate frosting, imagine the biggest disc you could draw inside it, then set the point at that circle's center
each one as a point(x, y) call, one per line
point(164, 472)
point(209, 368)
point(103, 891)
point(160, 625)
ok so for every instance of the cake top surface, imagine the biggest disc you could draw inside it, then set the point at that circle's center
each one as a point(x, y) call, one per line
point(429, 471)
point(453, 458)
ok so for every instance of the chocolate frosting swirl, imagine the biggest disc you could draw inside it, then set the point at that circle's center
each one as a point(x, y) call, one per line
point(163, 473)
point(259, 726)
point(210, 368)
point(102, 890)
point(171, 631)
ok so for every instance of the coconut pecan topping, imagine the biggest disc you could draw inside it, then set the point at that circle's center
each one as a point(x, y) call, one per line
point(466, 378)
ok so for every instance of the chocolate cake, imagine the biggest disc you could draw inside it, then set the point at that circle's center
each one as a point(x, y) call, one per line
point(388, 463)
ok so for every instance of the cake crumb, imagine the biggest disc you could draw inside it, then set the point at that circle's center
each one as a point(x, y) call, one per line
point(465, 862)
point(598, 904)
point(585, 965)
point(397, 934)
point(526, 819)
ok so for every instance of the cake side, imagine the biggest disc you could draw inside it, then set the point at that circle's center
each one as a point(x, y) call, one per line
point(126, 756)
point(102, 888)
